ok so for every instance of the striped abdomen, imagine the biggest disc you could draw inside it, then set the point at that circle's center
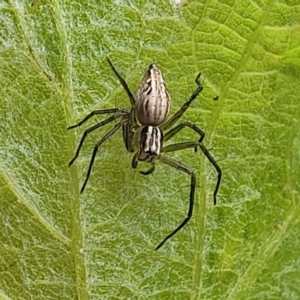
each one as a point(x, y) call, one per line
point(153, 101)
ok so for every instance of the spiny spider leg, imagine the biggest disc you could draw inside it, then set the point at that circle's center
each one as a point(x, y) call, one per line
point(123, 82)
point(88, 131)
point(184, 107)
point(181, 146)
point(173, 163)
point(96, 148)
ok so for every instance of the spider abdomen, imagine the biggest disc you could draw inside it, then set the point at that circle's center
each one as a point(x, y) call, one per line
point(153, 101)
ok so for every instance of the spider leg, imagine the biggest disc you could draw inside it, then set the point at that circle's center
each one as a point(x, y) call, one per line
point(89, 130)
point(128, 132)
point(123, 82)
point(134, 161)
point(150, 171)
point(173, 163)
point(96, 148)
point(184, 107)
point(134, 164)
point(118, 112)
point(182, 125)
point(180, 146)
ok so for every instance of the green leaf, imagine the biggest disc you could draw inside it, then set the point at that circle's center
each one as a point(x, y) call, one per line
point(56, 243)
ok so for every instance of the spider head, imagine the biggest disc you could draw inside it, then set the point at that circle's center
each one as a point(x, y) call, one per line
point(148, 142)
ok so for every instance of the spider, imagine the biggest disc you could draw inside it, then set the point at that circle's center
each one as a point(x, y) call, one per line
point(146, 128)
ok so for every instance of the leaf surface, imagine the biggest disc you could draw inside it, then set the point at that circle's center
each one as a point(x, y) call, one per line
point(56, 243)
